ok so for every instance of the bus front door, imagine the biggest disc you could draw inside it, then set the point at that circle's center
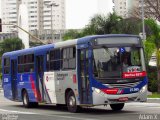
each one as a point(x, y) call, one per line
point(40, 73)
point(14, 79)
point(84, 77)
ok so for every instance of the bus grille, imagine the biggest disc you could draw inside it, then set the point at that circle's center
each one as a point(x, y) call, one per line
point(125, 85)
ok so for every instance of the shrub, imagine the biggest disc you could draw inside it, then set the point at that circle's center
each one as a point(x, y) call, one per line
point(153, 87)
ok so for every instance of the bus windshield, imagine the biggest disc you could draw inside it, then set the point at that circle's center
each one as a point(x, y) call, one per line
point(113, 62)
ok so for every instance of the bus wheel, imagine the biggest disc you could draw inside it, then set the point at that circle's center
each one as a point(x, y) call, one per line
point(25, 99)
point(71, 102)
point(117, 107)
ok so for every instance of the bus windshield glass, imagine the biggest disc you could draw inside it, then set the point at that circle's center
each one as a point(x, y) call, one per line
point(113, 62)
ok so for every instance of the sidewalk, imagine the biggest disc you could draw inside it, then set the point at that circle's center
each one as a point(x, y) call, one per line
point(1, 90)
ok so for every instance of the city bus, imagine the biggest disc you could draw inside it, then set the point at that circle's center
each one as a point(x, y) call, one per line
point(89, 71)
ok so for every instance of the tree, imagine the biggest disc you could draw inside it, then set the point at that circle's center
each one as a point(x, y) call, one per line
point(112, 24)
point(156, 40)
point(72, 34)
point(109, 24)
point(151, 9)
point(34, 44)
point(10, 45)
point(101, 24)
point(128, 26)
point(148, 49)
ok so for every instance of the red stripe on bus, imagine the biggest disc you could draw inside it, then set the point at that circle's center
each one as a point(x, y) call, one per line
point(35, 91)
point(110, 91)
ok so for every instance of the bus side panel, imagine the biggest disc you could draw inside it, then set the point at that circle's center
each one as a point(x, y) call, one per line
point(27, 81)
point(56, 84)
point(7, 86)
point(65, 80)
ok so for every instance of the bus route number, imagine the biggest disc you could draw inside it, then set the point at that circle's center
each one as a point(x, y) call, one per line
point(134, 89)
point(5, 80)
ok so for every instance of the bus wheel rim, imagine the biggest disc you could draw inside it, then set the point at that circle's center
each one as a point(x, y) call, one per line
point(25, 99)
point(72, 101)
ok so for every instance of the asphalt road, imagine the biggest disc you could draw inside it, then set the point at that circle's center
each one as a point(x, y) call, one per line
point(132, 111)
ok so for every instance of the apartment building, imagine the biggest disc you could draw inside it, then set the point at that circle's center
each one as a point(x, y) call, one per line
point(58, 14)
point(9, 14)
point(125, 7)
point(39, 14)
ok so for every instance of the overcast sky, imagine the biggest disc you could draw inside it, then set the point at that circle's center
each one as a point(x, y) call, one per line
point(79, 12)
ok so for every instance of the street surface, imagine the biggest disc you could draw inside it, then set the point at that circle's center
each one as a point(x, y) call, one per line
point(132, 111)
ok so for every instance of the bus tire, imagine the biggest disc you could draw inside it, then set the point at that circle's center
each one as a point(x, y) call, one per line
point(35, 104)
point(117, 107)
point(25, 99)
point(71, 102)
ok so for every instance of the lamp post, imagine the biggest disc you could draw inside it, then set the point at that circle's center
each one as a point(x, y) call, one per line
point(143, 26)
point(52, 5)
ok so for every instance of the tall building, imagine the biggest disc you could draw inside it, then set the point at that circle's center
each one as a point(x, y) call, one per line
point(35, 13)
point(39, 14)
point(9, 14)
point(124, 7)
point(58, 14)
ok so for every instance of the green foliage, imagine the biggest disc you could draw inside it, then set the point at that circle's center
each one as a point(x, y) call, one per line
point(33, 44)
point(148, 49)
point(154, 95)
point(106, 24)
point(129, 26)
point(112, 24)
point(152, 81)
point(72, 34)
point(153, 87)
point(154, 31)
point(11, 45)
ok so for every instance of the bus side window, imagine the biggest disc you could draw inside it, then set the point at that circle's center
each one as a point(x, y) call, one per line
point(72, 58)
point(26, 63)
point(55, 59)
point(65, 59)
point(6, 65)
point(48, 61)
point(69, 58)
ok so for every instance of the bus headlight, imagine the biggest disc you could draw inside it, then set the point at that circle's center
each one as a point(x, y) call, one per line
point(97, 90)
point(144, 88)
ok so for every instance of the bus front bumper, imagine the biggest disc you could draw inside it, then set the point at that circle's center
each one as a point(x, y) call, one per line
point(100, 98)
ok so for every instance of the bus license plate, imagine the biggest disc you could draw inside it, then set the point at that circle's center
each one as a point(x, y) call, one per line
point(123, 99)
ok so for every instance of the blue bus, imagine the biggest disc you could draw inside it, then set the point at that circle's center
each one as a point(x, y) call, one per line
point(89, 71)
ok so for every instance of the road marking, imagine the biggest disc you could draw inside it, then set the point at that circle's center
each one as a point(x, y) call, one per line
point(68, 117)
point(17, 112)
point(60, 116)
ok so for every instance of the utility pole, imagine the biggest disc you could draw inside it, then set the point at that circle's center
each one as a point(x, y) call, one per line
point(24, 31)
point(52, 5)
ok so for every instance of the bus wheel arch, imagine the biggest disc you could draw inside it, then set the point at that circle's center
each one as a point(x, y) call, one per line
point(26, 101)
point(71, 101)
point(117, 107)
point(66, 93)
point(25, 98)
point(23, 89)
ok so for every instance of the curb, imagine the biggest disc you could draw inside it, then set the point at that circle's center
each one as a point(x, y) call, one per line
point(1, 90)
point(153, 98)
